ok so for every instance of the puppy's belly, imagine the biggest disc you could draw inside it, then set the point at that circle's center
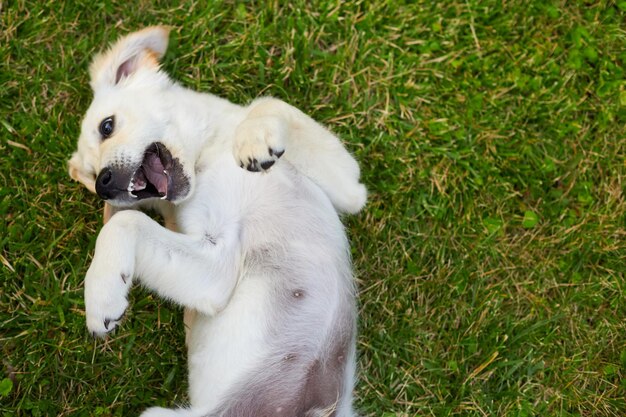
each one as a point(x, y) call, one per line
point(223, 349)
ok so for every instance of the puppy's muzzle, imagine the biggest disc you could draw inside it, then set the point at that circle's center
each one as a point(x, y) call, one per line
point(158, 176)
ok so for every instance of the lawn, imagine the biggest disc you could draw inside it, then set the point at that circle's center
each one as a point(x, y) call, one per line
point(490, 258)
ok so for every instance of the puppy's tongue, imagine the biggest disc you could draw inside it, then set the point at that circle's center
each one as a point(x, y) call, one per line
point(155, 172)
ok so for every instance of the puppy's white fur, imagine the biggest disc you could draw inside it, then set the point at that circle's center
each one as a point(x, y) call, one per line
point(260, 261)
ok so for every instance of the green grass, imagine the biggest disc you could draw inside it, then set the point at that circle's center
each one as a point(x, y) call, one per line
point(492, 254)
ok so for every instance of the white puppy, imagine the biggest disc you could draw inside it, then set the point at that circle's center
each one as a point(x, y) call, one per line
point(259, 261)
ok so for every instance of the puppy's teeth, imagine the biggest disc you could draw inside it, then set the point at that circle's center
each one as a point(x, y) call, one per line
point(130, 189)
point(165, 196)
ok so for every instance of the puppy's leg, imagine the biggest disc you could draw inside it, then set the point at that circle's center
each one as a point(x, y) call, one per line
point(194, 272)
point(273, 127)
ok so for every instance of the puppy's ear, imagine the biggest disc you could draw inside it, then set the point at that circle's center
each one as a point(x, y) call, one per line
point(142, 49)
point(79, 173)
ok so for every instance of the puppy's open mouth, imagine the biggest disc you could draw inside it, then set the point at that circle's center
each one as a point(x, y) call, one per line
point(152, 178)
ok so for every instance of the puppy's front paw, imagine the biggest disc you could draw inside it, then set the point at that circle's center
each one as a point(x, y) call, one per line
point(259, 142)
point(105, 299)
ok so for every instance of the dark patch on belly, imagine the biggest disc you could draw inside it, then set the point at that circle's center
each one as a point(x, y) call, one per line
point(325, 379)
point(295, 388)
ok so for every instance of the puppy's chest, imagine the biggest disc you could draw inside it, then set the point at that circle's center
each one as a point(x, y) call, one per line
point(262, 205)
point(200, 220)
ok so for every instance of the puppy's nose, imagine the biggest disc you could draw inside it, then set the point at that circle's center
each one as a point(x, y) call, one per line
point(106, 185)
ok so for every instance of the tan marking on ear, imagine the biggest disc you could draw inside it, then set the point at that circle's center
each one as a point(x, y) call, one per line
point(149, 59)
point(130, 49)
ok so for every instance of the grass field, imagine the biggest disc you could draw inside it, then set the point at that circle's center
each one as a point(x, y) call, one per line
point(492, 254)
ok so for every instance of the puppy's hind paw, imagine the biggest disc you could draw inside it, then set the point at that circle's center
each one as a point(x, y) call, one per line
point(259, 143)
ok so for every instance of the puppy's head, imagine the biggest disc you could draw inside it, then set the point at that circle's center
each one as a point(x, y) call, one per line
point(127, 150)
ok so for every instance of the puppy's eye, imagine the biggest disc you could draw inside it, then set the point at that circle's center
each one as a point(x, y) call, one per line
point(107, 126)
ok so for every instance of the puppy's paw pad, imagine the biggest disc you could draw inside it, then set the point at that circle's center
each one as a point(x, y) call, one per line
point(267, 164)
